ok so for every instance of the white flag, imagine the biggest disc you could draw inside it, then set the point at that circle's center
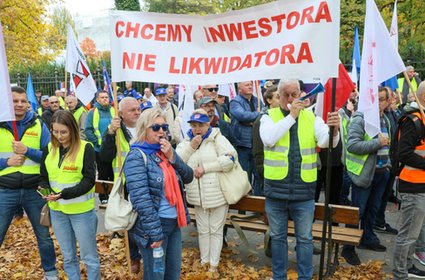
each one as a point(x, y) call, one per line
point(7, 112)
point(186, 106)
point(228, 90)
point(394, 27)
point(85, 87)
point(380, 61)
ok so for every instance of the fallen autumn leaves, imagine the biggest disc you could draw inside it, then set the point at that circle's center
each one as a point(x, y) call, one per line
point(19, 259)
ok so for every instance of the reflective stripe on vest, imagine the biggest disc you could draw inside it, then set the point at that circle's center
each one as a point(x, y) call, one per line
point(276, 158)
point(354, 162)
point(125, 148)
point(66, 176)
point(411, 174)
point(31, 139)
point(96, 119)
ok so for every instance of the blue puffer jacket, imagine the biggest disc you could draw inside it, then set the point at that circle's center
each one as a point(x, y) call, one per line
point(242, 119)
point(145, 187)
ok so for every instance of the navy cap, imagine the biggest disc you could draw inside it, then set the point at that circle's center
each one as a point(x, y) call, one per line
point(160, 91)
point(138, 96)
point(120, 97)
point(197, 117)
point(145, 105)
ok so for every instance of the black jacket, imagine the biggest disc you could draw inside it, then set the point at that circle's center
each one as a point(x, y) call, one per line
point(108, 149)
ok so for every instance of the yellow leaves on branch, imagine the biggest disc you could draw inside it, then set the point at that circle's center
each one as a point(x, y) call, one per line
point(27, 31)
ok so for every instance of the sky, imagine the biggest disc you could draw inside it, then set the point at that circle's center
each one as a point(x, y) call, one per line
point(88, 7)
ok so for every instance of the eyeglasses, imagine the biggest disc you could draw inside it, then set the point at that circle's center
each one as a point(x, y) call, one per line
point(54, 102)
point(156, 127)
point(211, 89)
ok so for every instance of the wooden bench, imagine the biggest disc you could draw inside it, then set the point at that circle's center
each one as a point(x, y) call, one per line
point(337, 234)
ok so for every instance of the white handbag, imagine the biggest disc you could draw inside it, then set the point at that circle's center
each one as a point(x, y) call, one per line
point(119, 214)
point(234, 184)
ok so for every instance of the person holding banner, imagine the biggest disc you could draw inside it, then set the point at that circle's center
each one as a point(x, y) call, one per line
point(129, 113)
point(290, 135)
point(244, 109)
point(19, 175)
point(155, 175)
point(68, 172)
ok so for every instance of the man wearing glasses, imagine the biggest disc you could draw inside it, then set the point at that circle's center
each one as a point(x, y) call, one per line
point(54, 106)
point(210, 90)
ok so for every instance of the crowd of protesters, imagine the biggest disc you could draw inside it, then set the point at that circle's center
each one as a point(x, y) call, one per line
point(276, 143)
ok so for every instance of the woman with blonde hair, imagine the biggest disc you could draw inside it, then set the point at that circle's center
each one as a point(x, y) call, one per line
point(208, 153)
point(68, 174)
point(155, 175)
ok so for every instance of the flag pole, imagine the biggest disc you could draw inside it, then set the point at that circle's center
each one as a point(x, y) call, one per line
point(327, 219)
point(66, 88)
point(119, 162)
point(406, 77)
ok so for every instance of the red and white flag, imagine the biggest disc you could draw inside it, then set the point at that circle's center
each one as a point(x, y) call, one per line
point(380, 61)
point(7, 113)
point(228, 90)
point(85, 87)
point(344, 86)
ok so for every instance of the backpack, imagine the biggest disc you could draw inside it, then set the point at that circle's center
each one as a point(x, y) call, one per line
point(394, 154)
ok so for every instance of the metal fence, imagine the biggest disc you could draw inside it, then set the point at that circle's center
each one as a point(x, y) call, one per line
point(49, 83)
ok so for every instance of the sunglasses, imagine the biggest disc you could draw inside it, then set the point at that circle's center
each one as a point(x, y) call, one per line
point(212, 89)
point(156, 127)
point(54, 102)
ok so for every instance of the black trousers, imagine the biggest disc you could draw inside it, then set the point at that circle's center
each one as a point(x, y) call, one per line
point(336, 183)
point(104, 172)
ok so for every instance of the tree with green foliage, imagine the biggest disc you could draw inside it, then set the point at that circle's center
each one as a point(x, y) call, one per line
point(199, 7)
point(127, 5)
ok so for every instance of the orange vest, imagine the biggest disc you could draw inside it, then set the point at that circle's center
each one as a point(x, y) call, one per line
point(411, 174)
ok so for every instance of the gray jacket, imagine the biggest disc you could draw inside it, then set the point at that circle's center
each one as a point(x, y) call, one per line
point(357, 145)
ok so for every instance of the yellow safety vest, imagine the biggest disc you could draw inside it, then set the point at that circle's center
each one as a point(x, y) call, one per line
point(61, 102)
point(96, 118)
point(66, 176)
point(125, 148)
point(355, 162)
point(276, 158)
point(31, 139)
point(400, 82)
point(77, 114)
point(40, 111)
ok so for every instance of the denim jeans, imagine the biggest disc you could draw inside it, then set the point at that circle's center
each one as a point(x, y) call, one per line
point(11, 201)
point(369, 200)
point(246, 160)
point(412, 220)
point(345, 188)
point(380, 216)
point(70, 228)
point(302, 212)
point(172, 246)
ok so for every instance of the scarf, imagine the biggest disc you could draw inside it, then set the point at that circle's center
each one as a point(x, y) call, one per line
point(172, 189)
point(146, 147)
point(205, 136)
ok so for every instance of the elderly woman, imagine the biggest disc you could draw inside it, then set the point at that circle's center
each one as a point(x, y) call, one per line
point(208, 153)
point(155, 175)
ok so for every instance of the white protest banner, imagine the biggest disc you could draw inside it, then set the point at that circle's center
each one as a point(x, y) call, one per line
point(293, 38)
point(7, 112)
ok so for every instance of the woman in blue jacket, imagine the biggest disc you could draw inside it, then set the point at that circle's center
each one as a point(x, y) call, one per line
point(155, 175)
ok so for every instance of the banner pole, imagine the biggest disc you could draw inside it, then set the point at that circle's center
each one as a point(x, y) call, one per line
point(66, 89)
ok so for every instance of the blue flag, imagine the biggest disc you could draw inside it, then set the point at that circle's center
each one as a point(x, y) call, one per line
point(108, 85)
point(31, 94)
point(356, 51)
